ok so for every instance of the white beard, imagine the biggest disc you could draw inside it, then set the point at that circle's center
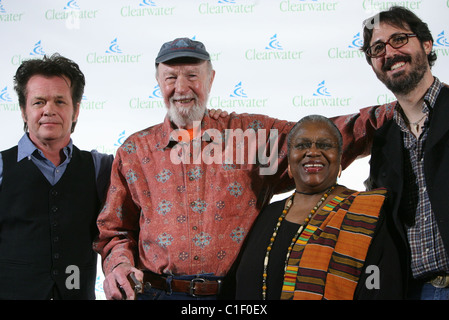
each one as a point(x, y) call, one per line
point(182, 117)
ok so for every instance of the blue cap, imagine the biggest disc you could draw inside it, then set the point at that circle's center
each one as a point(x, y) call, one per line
point(180, 48)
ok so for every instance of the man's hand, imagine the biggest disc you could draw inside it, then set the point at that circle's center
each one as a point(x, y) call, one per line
point(116, 284)
point(217, 113)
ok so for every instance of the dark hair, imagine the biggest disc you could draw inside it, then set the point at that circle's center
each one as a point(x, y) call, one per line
point(317, 119)
point(402, 18)
point(56, 65)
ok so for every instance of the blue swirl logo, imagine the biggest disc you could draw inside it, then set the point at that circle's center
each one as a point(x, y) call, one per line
point(322, 90)
point(156, 93)
point(238, 91)
point(441, 40)
point(37, 50)
point(146, 3)
point(72, 5)
point(357, 42)
point(113, 47)
point(120, 139)
point(274, 43)
point(4, 96)
point(226, 1)
point(2, 10)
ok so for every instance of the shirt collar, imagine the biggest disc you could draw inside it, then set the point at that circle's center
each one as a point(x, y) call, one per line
point(25, 148)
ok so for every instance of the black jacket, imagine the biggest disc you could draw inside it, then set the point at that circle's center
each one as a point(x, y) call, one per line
point(390, 250)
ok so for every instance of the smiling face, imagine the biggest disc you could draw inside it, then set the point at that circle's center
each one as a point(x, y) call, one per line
point(185, 88)
point(314, 159)
point(402, 69)
point(49, 111)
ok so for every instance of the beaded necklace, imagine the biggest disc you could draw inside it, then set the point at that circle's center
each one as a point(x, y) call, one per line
point(295, 238)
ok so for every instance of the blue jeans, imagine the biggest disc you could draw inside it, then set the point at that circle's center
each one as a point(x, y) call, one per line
point(158, 294)
point(426, 291)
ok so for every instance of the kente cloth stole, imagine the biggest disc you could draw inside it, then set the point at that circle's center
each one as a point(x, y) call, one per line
point(328, 258)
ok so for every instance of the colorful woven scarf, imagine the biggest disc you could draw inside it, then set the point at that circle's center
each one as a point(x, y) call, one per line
point(328, 258)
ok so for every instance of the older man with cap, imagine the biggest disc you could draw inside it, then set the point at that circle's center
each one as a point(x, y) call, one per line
point(181, 201)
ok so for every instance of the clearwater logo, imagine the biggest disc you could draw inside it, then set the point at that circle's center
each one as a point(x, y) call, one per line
point(351, 52)
point(113, 47)
point(273, 51)
point(112, 148)
point(6, 103)
point(72, 5)
point(121, 139)
point(320, 98)
point(6, 16)
point(71, 14)
point(113, 54)
point(375, 6)
point(307, 6)
point(37, 50)
point(322, 90)
point(226, 7)
point(237, 99)
point(238, 91)
point(154, 100)
point(145, 8)
point(441, 44)
point(4, 96)
point(88, 104)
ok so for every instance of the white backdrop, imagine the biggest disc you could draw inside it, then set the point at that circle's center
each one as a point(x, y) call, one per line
point(283, 58)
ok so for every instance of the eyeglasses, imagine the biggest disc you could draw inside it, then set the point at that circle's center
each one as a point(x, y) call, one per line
point(396, 41)
point(322, 145)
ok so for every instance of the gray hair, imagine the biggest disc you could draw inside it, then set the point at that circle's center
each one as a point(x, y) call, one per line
point(315, 118)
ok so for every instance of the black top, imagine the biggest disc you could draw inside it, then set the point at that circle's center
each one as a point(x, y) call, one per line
point(250, 270)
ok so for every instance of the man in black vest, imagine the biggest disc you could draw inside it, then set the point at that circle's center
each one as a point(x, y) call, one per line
point(409, 141)
point(50, 191)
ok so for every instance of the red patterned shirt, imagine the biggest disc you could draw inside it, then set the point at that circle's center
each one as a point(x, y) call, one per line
point(187, 216)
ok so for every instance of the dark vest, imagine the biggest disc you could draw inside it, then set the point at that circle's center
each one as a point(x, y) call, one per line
point(390, 251)
point(46, 232)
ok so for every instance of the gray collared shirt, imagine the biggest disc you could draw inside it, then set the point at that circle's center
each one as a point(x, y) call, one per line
point(427, 248)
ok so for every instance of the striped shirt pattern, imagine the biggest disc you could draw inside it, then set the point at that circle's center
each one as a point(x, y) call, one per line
point(328, 263)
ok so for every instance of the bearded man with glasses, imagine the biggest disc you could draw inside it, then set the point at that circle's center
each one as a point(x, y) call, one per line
point(409, 145)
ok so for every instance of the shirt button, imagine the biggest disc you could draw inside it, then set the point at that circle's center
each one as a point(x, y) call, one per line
point(196, 258)
point(194, 227)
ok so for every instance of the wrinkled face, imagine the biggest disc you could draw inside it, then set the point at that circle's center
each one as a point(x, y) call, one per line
point(400, 69)
point(314, 160)
point(49, 110)
point(185, 88)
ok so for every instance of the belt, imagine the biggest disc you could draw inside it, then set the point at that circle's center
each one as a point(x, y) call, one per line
point(197, 286)
point(441, 281)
